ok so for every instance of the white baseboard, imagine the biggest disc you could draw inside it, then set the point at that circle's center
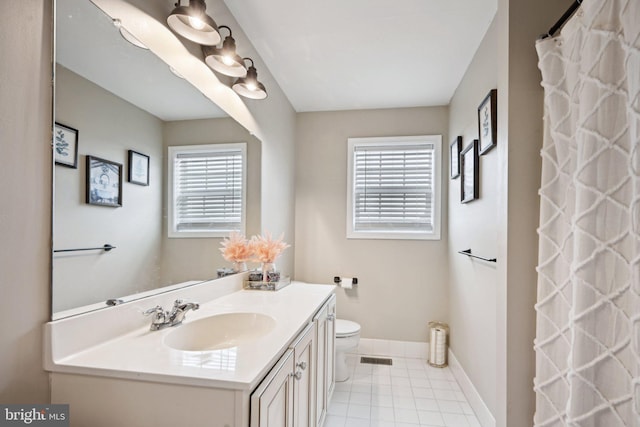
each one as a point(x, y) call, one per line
point(484, 415)
point(392, 348)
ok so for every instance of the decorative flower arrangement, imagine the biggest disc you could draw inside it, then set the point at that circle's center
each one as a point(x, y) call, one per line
point(266, 249)
point(236, 248)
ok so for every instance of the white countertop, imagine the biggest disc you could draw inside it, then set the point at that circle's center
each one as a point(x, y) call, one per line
point(142, 355)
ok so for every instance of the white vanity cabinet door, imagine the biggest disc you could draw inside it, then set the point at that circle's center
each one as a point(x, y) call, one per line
point(305, 381)
point(325, 357)
point(272, 401)
point(331, 347)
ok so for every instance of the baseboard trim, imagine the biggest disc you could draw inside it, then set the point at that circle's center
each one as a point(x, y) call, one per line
point(484, 415)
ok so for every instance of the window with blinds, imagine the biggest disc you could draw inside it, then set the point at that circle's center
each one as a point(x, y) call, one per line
point(207, 190)
point(394, 188)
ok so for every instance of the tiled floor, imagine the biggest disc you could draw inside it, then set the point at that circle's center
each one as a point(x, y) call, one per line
point(409, 393)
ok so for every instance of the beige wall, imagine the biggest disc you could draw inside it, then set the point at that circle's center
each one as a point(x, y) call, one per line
point(199, 258)
point(520, 112)
point(25, 136)
point(108, 127)
point(402, 283)
point(492, 307)
point(472, 283)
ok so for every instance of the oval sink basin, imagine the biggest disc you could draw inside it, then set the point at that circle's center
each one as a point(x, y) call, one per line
point(219, 331)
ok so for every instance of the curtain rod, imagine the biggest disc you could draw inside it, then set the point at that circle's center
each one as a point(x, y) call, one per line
point(563, 19)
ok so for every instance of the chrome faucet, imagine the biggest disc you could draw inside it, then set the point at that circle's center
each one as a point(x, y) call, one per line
point(163, 318)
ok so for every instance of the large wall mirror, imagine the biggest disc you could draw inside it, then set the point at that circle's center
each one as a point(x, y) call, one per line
point(112, 97)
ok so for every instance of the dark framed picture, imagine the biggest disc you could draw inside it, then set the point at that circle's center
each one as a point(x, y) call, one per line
point(138, 168)
point(469, 173)
point(104, 182)
point(454, 157)
point(65, 145)
point(488, 122)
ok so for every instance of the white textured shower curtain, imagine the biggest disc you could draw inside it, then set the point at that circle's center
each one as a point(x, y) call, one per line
point(588, 310)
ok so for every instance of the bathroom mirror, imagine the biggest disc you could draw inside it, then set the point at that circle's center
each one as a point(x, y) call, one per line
point(111, 98)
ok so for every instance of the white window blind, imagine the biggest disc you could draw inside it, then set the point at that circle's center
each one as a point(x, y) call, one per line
point(393, 187)
point(208, 184)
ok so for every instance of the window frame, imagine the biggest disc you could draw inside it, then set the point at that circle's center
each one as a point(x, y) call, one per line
point(436, 140)
point(173, 151)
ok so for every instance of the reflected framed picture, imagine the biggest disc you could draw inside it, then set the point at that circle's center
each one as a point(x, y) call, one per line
point(104, 182)
point(138, 168)
point(469, 172)
point(488, 122)
point(454, 157)
point(65, 145)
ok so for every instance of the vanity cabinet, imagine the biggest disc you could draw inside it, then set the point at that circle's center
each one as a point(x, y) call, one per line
point(325, 358)
point(136, 379)
point(285, 397)
point(297, 390)
point(304, 385)
point(272, 401)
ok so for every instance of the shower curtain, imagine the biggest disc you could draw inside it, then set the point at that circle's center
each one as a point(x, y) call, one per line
point(588, 311)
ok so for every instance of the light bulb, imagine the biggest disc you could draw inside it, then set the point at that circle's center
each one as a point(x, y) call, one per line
point(251, 85)
point(196, 23)
point(228, 60)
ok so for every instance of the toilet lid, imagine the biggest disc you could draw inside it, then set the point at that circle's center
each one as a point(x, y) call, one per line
point(346, 328)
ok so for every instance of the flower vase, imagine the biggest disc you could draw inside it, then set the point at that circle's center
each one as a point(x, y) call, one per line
point(239, 266)
point(269, 272)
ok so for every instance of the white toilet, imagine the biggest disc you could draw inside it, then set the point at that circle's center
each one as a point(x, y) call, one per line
point(347, 339)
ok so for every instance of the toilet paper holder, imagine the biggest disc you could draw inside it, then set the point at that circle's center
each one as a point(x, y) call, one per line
point(337, 280)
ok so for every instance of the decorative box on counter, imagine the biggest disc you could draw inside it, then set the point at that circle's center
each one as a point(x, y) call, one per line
point(261, 285)
point(223, 272)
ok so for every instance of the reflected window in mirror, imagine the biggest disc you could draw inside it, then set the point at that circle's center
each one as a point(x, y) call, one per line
point(207, 190)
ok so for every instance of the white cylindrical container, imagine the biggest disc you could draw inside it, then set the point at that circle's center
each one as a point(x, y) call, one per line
point(438, 340)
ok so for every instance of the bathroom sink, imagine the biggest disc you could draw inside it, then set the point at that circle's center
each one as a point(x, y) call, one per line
point(219, 331)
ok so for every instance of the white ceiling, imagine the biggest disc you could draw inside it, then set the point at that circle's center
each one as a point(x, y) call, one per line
point(325, 55)
point(358, 54)
point(90, 45)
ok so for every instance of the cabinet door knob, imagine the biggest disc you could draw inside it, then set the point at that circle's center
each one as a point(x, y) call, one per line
point(302, 365)
point(331, 317)
point(298, 375)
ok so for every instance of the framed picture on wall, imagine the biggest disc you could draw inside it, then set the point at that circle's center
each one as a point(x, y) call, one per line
point(488, 122)
point(469, 172)
point(454, 157)
point(65, 145)
point(104, 182)
point(138, 168)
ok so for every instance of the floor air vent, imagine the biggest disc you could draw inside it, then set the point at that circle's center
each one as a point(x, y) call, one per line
point(376, 361)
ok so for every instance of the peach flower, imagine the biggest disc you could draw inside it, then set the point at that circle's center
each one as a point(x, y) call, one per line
point(236, 248)
point(266, 249)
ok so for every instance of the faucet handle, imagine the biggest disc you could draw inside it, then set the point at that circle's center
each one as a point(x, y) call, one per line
point(153, 310)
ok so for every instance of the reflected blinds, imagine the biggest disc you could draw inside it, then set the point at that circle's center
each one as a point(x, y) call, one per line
point(208, 190)
point(393, 187)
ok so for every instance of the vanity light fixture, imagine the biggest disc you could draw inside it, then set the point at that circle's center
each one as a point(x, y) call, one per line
point(249, 86)
point(128, 36)
point(193, 23)
point(224, 59)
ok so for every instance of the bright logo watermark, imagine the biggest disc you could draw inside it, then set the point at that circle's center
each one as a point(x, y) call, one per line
point(34, 415)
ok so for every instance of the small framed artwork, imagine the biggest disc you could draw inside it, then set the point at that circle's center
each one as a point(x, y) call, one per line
point(488, 122)
point(138, 168)
point(454, 157)
point(469, 173)
point(104, 182)
point(65, 145)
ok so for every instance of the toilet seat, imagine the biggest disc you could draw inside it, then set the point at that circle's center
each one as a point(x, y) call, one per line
point(346, 328)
